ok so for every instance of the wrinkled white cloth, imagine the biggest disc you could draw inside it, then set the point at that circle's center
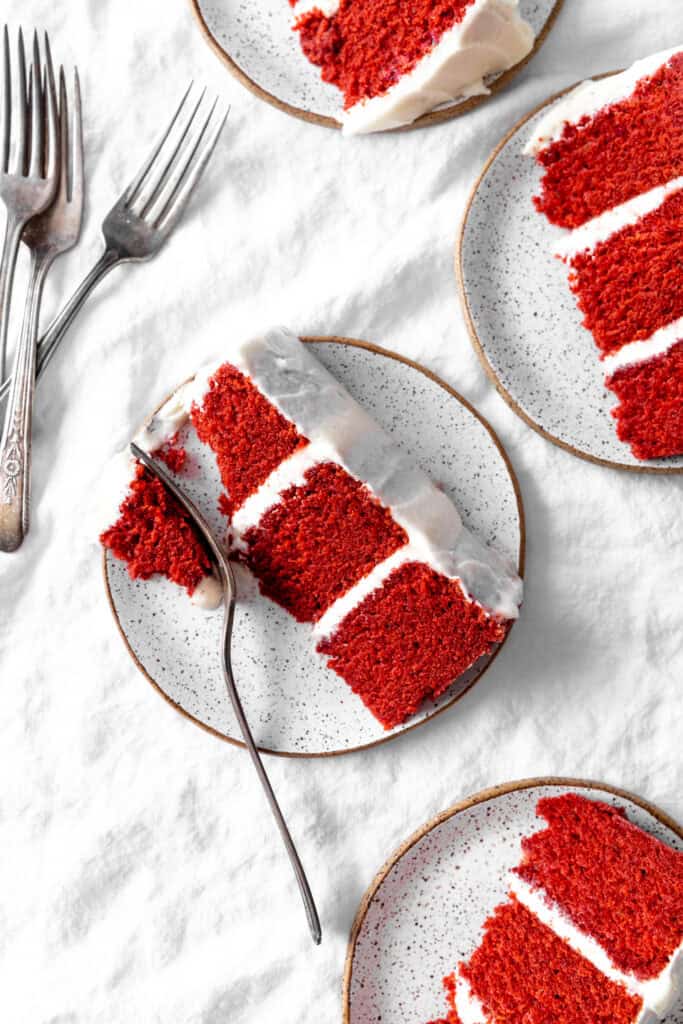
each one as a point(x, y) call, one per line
point(141, 877)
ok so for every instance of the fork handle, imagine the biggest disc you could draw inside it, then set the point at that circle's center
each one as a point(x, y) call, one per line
point(62, 322)
point(8, 261)
point(297, 866)
point(15, 448)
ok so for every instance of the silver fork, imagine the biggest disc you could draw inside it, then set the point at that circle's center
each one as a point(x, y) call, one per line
point(47, 236)
point(229, 592)
point(142, 219)
point(26, 185)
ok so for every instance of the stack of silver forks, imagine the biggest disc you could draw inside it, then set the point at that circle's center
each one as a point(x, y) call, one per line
point(42, 188)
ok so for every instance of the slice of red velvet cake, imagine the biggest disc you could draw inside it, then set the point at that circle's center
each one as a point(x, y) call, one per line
point(592, 930)
point(393, 60)
point(611, 890)
point(335, 522)
point(612, 159)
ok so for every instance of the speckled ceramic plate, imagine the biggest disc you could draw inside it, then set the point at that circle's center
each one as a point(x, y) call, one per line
point(294, 703)
point(523, 318)
point(257, 44)
point(424, 910)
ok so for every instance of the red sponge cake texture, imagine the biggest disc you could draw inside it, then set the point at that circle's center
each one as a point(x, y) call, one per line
point(523, 972)
point(625, 149)
point(249, 436)
point(154, 535)
point(409, 640)
point(650, 411)
point(368, 45)
point(630, 285)
point(613, 880)
point(319, 540)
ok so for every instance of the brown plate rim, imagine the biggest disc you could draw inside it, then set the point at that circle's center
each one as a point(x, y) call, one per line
point(368, 346)
point(482, 796)
point(472, 330)
point(434, 117)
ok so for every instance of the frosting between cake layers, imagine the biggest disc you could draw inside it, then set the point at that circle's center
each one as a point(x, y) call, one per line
point(600, 229)
point(492, 37)
point(340, 430)
point(588, 98)
point(641, 351)
point(659, 994)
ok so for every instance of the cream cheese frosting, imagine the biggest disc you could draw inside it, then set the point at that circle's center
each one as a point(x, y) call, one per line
point(600, 229)
point(491, 38)
point(659, 995)
point(588, 98)
point(287, 373)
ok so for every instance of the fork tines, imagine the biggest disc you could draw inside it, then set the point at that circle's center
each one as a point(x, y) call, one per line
point(167, 178)
point(26, 149)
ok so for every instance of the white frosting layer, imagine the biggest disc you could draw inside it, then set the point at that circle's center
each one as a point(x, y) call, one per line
point(288, 375)
point(326, 7)
point(492, 37)
point(338, 611)
point(208, 595)
point(591, 96)
point(659, 995)
point(601, 229)
point(468, 1006)
point(640, 351)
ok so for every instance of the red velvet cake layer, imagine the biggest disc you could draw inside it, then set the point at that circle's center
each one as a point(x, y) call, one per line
point(650, 411)
point(523, 973)
point(409, 640)
point(614, 881)
point(630, 285)
point(249, 436)
point(153, 535)
point(368, 45)
point(319, 540)
point(624, 150)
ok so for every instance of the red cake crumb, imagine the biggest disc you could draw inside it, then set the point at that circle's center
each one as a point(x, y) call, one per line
point(248, 435)
point(628, 148)
point(630, 285)
point(650, 411)
point(523, 973)
point(614, 881)
point(319, 540)
point(365, 48)
point(409, 640)
point(154, 535)
point(173, 454)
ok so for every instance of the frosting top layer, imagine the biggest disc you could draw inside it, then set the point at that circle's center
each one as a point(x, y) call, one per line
point(288, 374)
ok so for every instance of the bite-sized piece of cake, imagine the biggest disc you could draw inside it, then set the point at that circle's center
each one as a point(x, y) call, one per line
point(523, 972)
point(611, 890)
point(154, 535)
point(650, 392)
point(394, 60)
point(340, 527)
point(626, 268)
point(610, 140)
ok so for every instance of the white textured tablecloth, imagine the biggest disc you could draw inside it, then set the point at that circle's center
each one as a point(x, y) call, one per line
point(141, 878)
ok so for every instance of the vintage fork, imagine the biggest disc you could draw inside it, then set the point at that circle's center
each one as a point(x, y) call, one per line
point(142, 219)
point(26, 185)
point(47, 236)
point(229, 592)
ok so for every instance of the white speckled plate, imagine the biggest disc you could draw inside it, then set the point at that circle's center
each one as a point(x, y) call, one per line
point(523, 318)
point(424, 910)
point(294, 703)
point(258, 45)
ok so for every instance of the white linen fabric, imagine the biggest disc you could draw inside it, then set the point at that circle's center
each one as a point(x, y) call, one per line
point(141, 876)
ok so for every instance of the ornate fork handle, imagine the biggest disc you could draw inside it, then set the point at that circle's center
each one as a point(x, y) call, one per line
point(15, 449)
